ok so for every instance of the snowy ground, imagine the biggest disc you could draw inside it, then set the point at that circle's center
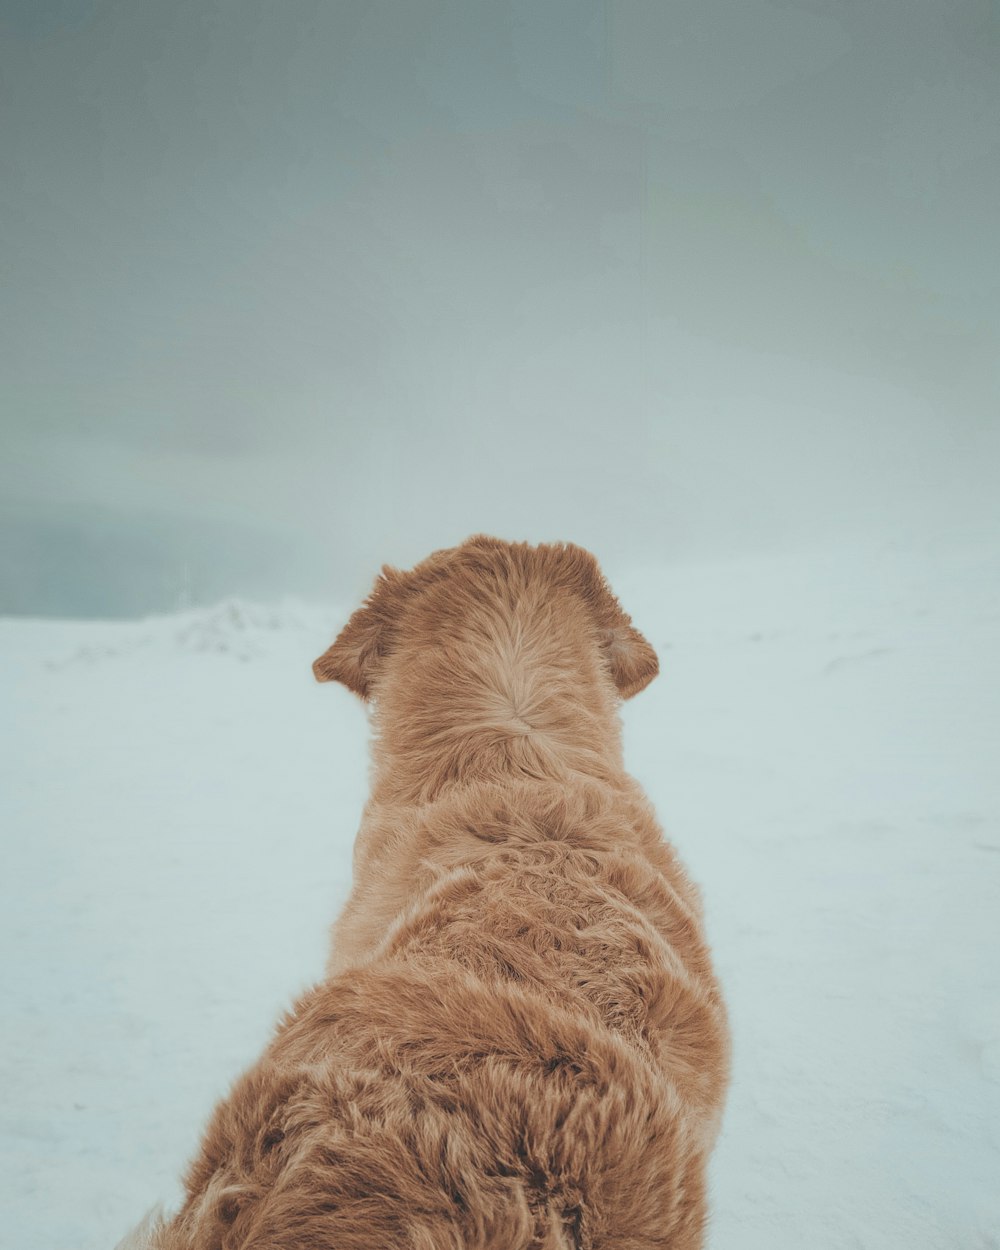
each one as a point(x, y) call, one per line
point(179, 799)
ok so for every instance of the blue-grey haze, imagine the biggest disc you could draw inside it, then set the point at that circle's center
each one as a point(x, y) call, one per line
point(292, 289)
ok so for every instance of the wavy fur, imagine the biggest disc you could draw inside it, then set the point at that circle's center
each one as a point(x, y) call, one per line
point(519, 1044)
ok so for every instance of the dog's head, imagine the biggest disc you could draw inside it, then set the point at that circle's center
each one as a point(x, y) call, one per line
point(480, 571)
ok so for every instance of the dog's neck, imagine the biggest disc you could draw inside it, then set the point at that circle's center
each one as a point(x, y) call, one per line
point(515, 713)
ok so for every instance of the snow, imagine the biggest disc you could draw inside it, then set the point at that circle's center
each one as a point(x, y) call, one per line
point(179, 800)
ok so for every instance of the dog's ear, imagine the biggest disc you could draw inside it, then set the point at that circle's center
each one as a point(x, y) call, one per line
point(629, 656)
point(366, 639)
point(632, 660)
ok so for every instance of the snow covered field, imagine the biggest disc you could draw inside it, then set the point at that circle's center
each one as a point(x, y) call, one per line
point(179, 800)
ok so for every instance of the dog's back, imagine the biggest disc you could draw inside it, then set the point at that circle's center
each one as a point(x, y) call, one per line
point(520, 1043)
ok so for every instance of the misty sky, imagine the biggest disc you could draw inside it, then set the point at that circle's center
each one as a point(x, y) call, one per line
point(294, 288)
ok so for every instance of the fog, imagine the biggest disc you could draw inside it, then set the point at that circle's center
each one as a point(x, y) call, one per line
point(292, 290)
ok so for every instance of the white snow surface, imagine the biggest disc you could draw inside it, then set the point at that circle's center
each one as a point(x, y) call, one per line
point(179, 800)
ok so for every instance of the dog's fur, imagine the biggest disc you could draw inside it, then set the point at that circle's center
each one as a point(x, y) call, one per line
point(520, 1042)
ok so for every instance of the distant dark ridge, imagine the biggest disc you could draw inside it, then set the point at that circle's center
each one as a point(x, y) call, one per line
point(94, 562)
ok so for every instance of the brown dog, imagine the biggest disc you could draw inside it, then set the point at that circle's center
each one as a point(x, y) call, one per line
point(520, 1043)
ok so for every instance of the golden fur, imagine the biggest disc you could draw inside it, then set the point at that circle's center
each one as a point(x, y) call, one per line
point(519, 1042)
